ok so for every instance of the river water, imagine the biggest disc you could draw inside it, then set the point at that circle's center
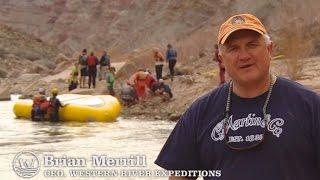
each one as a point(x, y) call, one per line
point(119, 139)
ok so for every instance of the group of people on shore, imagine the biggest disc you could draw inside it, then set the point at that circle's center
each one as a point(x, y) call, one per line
point(141, 84)
point(136, 87)
point(87, 66)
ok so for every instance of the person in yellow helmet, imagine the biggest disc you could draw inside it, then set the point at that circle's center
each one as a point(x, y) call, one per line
point(55, 105)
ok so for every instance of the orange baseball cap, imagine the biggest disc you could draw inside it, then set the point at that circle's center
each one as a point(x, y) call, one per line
point(238, 22)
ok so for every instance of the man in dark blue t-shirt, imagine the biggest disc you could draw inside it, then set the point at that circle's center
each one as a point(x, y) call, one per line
point(258, 126)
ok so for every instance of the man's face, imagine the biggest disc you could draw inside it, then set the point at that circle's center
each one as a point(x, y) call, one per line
point(246, 56)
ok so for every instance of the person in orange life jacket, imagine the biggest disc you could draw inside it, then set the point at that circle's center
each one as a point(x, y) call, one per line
point(39, 106)
point(55, 105)
point(83, 67)
point(104, 65)
point(171, 57)
point(222, 69)
point(92, 62)
point(138, 80)
point(159, 60)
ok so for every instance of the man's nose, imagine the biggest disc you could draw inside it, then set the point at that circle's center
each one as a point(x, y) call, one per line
point(243, 54)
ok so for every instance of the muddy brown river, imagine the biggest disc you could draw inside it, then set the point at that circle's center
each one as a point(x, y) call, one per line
point(138, 139)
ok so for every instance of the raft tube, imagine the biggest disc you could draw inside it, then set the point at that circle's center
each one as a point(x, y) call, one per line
point(80, 108)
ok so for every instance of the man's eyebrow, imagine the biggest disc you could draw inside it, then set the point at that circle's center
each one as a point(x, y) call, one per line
point(253, 41)
point(230, 45)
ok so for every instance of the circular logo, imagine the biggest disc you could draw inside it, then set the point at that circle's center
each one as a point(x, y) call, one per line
point(26, 164)
point(237, 20)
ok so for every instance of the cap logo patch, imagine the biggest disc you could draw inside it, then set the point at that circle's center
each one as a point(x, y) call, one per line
point(237, 20)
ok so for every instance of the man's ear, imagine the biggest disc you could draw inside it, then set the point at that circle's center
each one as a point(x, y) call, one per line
point(270, 48)
point(222, 60)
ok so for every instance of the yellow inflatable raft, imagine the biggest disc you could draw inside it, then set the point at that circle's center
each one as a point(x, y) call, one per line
point(80, 108)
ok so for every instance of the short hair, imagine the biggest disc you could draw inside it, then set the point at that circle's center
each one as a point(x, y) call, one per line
point(267, 39)
point(169, 46)
point(84, 50)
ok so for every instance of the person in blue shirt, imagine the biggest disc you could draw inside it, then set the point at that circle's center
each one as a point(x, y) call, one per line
point(257, 126)
point(171, 57)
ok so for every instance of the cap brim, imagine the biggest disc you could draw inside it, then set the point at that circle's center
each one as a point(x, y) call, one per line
point(225, 37)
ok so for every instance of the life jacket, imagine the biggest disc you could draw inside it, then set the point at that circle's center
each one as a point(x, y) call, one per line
point(53, 103)
point(92, 61)
point(83, 60)
point(38, 100)
point(158, 56)
point(75, 71)
point(44, 106)
point(171, 54)
point(105, 60)
point(110, 79)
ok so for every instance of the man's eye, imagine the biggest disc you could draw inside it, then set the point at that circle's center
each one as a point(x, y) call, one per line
point(252, 45)
point(231, 49)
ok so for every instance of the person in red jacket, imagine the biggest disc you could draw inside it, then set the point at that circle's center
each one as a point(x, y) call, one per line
point(40, 105)
point(92, 62)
